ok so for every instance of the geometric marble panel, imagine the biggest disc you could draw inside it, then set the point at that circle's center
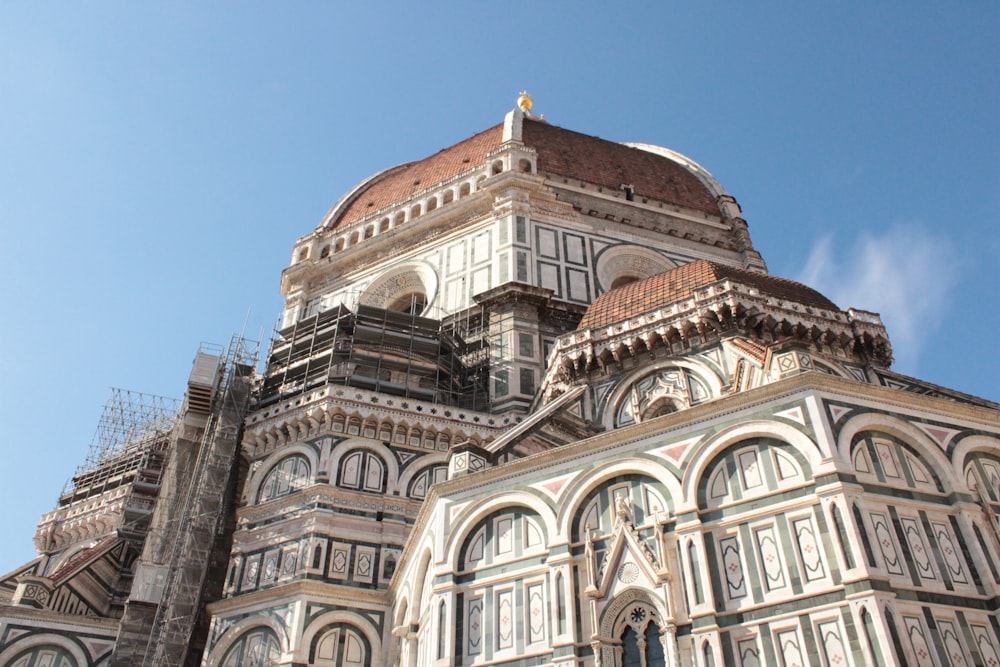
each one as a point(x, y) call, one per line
point(769, 553)
point(951, 639)
point(789, 646)
point(832, 641)
point(949, 552)
point(918, 639)
point(732, 565)
point(364, 564)
point(809, 549)
point(887, 545)
point(339, 560)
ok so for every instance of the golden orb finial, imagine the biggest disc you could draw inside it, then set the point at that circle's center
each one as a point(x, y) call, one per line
point(524, 101)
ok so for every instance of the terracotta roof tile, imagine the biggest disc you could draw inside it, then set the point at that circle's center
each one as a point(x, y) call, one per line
point(679, 284)
point(402, 182)
point(593, 160)
point(561, 152)
point(78, 560)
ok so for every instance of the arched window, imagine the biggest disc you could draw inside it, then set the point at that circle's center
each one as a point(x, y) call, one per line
point(341, 645)
point(442, 625)
point(708, 654)
point(288, 476)
point(639, 632)
point(897, 645)
point(411, 303)
point(256, 648)
point(362, 470)
point(561, 602)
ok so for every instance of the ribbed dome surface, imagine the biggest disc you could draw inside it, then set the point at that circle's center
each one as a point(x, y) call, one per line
point(679, 284)
point(561, 154)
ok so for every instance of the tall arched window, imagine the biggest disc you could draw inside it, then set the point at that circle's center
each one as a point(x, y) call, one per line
point(708, 654)
point(638, 628)
point(289, 475)
point(256, 648)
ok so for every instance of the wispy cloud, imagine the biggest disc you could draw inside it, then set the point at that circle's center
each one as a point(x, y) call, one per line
point(905, 273)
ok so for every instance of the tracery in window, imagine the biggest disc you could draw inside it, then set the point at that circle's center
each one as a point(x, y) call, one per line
point(638, 629)
point(289, 475)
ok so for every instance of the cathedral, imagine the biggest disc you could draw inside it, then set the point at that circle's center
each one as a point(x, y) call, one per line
point(533, 400)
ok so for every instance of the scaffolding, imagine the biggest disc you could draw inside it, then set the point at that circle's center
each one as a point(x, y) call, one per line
point(199, 515)
point(131, 427)
point(181, 512)
point(387, 351)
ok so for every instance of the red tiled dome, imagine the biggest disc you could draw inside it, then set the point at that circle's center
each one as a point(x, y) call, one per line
point(561, 153)
point(679, 284)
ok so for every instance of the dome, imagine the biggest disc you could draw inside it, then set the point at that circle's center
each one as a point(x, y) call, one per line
point(680, 283)
point(652, 173)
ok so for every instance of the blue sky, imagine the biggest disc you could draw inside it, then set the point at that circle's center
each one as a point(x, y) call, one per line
point(158, 160)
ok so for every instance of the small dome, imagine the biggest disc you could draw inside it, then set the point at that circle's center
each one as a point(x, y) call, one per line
point(678, 284)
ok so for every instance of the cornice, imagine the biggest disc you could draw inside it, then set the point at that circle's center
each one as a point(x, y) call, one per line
point(664, 208)
point(316, 591)
point(294, 505)
point(299, 417)
point(57, 619)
